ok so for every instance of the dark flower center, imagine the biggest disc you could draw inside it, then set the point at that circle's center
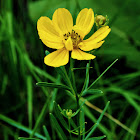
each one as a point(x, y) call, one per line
point(76, 38)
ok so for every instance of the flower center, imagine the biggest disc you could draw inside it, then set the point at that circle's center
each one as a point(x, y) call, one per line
point(76, 39)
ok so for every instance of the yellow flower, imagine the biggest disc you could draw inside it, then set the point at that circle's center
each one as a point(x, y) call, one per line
point(59, 33)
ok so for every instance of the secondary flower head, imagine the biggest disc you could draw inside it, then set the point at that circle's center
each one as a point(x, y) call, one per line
point(59, 33)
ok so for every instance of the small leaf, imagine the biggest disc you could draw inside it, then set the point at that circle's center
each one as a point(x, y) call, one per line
point(73, 123)
point(57, 127)
point(86, 82)
point(97, 138)
point(45, 84)
point(103, 73)
point(92, 91)
point(20, 126)
point(22, 138)
point(61, 72)
point(59, 116)
point(79, 108)
point(47, 52)
point(46, 132)
point(82, 122)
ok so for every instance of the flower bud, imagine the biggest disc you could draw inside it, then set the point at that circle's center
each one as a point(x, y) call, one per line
point(101, 20)
point(69, 113)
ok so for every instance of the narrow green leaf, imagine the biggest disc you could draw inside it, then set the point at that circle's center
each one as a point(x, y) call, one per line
point(82, 122)
point(73, 123)
point(98, 121)
point(102, 74)
point(92, 91)
point(59, 116)
point(79, 108)
point(4, 84)
point(57, 127)
point(94, 96)
point(54, 93)
point(19, 126)
point(87, 74)
point(60, 71)
point(40, 118)
point(97, 138)
point(45, 84)
point(46, 132)
point(30, 102)
point(86, 82)
point(35, 69)
point(22, 138)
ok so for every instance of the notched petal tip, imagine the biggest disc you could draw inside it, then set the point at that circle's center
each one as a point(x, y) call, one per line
point(48, 33)
point(85, 20)
point(63, 20)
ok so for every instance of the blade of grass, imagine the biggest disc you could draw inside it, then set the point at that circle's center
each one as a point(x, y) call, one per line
point(59, 116)
point(22, 138)
point(97, 138)
point(30, 100)
point(46, 132)
point(110, 117)
point(82, 122)
point(102, 74)
point(40, 118)
point(86, 82)
point(98, 121)
point(57, 127)
point(53, 85)
point(54, 93)
point(19, 126)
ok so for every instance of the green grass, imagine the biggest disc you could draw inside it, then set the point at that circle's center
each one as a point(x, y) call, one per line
point(25, 107)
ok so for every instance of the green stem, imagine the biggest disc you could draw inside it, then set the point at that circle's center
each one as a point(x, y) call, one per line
point(72, 74)
point(69, 128)
point(78, 116)
point(77, 100)
point(69, 82)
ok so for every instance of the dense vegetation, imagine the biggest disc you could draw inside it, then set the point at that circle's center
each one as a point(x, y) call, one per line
point(22, 66)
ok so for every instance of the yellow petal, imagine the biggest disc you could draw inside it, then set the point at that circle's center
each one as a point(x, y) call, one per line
point(57, 58)
point(69, 44)
point(80, 55)
point(84, 21)
point(48, 33)
point(88, 46)
point(63, 20)
point(99, 35)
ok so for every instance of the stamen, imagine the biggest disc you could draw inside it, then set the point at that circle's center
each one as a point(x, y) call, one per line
point(76, 38)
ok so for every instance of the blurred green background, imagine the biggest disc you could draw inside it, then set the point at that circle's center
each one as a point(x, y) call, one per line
point(22, 66)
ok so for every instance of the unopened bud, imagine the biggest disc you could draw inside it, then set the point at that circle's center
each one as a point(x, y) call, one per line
point(101, 20)
point(69, 113)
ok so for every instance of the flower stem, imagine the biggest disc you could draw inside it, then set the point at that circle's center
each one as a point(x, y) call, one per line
point(69, 129)
point(78, 116)
point(77, 100)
